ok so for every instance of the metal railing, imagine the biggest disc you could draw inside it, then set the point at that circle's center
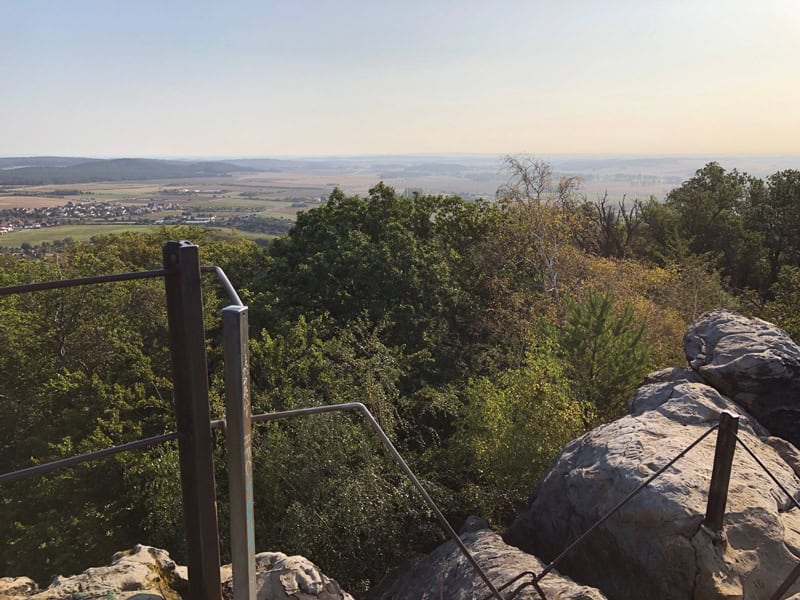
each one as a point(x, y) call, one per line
point(182, 282)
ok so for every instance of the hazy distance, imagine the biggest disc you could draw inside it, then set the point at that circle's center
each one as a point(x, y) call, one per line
point(467, 175)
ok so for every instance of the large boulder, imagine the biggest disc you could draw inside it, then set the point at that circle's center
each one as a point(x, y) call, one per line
point(446, 573)
point(752, 362)
point(655, 547)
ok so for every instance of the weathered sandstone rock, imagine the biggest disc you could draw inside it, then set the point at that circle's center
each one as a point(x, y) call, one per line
point(13, 587)
point(446, 573)
point(143, 573)
point(752, 362)
point(281, 577)
point(654, 547)
point(147, 573)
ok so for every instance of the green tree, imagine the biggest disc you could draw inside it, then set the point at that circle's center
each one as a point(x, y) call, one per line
point(775, 215)
point(513, 425)
point(324, 486)
point(385, 258)
point(606, 355)
point(710, 209)
point(784, 308)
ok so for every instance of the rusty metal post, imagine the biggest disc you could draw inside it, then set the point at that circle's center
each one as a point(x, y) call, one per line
point(240, 453)
point(721, 475)
point(192, 411)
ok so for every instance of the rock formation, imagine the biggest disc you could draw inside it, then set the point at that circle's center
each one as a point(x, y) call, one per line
point(445, 573)
point(753, 363)
point(281, 577)
point(147, 573)
point(655, 547)
point(144, 572)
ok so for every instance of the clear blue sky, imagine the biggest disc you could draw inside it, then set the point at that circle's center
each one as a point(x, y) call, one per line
point(291, 77)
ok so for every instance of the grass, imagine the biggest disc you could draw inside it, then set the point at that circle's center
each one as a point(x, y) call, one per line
point(15, 239)
point(248, 235)
point(237, 203)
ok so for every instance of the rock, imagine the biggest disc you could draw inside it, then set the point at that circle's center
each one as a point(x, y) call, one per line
point(752, 362)
point(147, 573)
point(143, 573)
point(654, 547)
point(281, 577)
point(446, 573)
point(13, 587)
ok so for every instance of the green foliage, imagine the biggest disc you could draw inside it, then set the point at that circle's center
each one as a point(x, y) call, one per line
point(324, 485)
point(83, 369)
point(775, 215)
point(387, 259)
point(514, 424)
point(784, 309)
point(606, 355)
point(614, 231)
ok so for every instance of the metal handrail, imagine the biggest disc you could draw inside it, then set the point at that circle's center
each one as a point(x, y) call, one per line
point(67, 283)
point(184, 316)
point(226, 283)
point(93, 280)
point(364, 411)
point(81, 458)
point(76, 460)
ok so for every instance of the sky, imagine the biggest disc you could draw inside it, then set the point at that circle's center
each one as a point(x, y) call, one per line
point(302, 77)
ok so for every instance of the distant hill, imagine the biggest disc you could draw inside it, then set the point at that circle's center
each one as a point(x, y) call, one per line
point(278, 165)
point(53, 170)
point(43, 161)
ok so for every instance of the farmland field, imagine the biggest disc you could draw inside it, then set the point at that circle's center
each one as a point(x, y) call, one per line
point(61, 232)
point(34, 237)
point(227, 201)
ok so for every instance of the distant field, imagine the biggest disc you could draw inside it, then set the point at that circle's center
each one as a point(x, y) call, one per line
point(34, 237)
point(12, 201)
point(77, 232)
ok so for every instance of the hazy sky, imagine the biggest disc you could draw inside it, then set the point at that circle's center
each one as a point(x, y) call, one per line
point(289, 77)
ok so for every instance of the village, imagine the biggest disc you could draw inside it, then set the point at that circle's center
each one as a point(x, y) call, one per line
point(90, 210)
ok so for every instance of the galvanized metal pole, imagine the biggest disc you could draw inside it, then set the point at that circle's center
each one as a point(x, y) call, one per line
point(190, 381)
point(240, 453)
point(721, 474)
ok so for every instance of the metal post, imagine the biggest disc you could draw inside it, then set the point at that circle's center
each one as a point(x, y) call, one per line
point(190, 381)
point(240, 454)
point(721, 475)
